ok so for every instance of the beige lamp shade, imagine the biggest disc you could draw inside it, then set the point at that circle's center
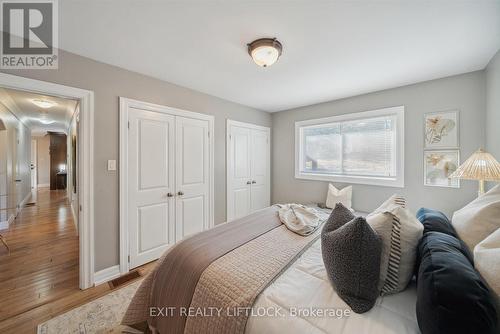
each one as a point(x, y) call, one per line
point(480, 166)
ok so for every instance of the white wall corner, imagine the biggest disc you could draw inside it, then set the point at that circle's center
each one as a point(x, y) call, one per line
point(105, 275)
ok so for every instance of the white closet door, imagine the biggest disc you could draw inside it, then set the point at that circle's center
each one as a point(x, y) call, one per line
point(260, 188)
point(150, 181)
point(248, 168)
point(192, 176)
point(239, 172)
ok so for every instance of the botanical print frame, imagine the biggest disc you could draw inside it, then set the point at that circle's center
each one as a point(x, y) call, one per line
point(441, 129)
point(438, 164)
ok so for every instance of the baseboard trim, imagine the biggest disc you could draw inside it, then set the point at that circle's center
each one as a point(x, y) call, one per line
point(43, 185)
point(25, 200)
point(105, 275)
point(21, 204)
point(6, 223)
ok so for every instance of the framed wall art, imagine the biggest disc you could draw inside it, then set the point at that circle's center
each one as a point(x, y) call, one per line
point(441, 130)
point(439, 165)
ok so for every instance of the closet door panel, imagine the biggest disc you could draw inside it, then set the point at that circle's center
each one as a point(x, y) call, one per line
point(150, 179)
point(192, 176)
point(260, 194)
point(239, 172)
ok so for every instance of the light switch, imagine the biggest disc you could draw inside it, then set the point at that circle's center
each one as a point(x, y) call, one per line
point(111, 164)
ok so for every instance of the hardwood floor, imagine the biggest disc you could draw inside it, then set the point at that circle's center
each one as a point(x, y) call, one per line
point(39, 278)
point(43, 263)
point(27, 322)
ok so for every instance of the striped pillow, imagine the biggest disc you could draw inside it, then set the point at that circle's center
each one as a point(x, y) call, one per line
point(400, 232)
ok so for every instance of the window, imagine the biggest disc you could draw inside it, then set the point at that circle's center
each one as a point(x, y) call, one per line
point(365, 147)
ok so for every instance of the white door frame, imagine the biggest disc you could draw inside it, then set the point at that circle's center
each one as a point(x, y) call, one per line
point(34, 171)
point(86, 164)
point(125, 104)
point(230, 123)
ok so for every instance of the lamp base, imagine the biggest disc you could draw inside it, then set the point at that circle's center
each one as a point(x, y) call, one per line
point(481, 188)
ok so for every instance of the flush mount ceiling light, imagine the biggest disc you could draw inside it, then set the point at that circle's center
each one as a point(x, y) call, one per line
point(44, 118)
point(265, 51)
point(46, 121)
point(45, 104)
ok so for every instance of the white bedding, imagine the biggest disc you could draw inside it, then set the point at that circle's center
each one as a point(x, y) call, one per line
point(305, 287)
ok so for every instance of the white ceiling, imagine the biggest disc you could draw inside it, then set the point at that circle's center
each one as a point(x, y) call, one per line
point(331, 49)
point(19, 103)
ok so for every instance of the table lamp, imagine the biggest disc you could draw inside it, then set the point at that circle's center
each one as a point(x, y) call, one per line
point(480, 166)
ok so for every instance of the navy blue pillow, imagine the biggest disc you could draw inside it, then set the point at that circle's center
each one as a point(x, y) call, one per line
point(452, 297)
point(437, 221)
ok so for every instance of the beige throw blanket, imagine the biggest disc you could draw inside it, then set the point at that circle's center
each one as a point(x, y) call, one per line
point(299, 218)
point(223, 268)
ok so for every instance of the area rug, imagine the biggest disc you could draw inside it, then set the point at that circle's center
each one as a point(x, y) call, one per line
point(102, 315)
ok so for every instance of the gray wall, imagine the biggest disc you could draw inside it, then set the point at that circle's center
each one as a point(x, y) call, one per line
point(464, 92)
point(493, 107)
point(108, 83)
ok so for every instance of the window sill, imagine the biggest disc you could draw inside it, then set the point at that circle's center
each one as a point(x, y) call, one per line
point(368, 180)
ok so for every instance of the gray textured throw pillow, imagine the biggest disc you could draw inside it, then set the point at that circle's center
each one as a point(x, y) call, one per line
point(338, 217)
point(351, 254)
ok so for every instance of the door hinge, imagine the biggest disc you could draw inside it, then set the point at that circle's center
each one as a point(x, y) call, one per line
point(208, 134)
point(128, 259)
point(81, 209)
point(128, 124)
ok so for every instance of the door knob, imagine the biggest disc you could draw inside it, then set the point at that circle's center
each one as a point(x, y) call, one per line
point(248, 182)
point(180, 193)
point(254, 182)
point(170, 195)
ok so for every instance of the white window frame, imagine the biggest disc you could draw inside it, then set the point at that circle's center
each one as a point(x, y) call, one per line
point(397, 181)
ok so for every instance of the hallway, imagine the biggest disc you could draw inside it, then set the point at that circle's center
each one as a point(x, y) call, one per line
point(43, 263)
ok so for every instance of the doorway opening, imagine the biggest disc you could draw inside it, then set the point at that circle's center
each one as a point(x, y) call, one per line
point(46, 172)
point(39, 211)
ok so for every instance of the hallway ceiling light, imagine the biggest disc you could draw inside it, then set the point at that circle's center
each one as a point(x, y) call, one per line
point(45, 104)
point(46, 121)
point(265, 51)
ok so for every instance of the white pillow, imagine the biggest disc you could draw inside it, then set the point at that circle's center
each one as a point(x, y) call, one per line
point(487, 260)
point(400, 232)
point(335, 196)
point(478, 219)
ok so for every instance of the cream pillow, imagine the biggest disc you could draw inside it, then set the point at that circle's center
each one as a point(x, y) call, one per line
point(479, 218)
point(487, 260)
point(400, 232)
point(335, 196)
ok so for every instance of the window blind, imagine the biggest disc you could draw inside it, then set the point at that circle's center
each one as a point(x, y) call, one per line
point(363, 147)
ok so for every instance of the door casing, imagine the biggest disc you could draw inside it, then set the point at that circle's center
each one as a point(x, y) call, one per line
point(86, 165)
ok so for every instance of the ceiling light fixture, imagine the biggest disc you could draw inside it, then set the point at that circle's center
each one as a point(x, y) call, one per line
point(265, 51)
point(46, 121)
point(45, 104)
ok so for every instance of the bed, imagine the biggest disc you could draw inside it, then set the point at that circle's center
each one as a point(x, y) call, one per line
point(254, 276)
point(305, 286)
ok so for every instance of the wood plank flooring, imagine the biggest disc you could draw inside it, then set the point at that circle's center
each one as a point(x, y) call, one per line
point(39, 278)
point(43, 263)
point(27, 322)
